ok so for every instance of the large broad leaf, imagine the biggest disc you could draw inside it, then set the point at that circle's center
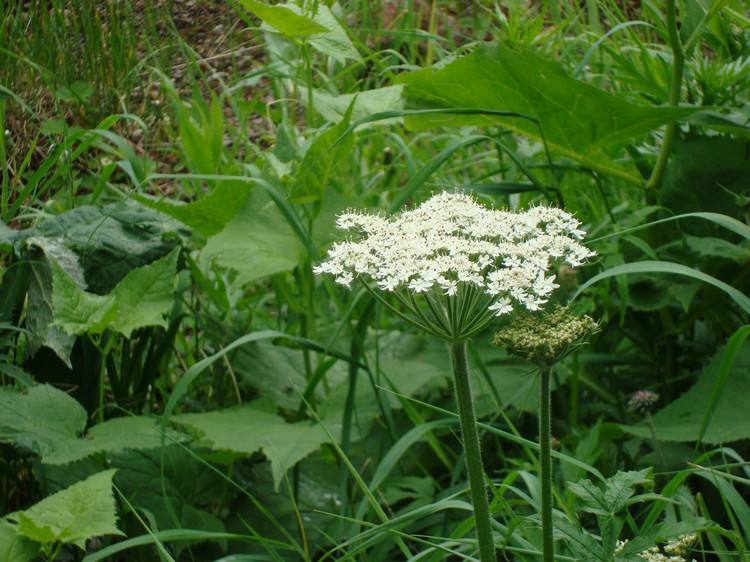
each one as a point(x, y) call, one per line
point(248, 430)
point(706, 174)
point(285, 19)
point(110, 241)
point(683, 419)
point(188, 489)
point(14, 547)
point(39, 313)
point(209, 214)
point(142, 298)
point(72, 516)
point(578, 120)
point(321, 160)
point(145, 295)
point(367, 103)
point(48, 422)
point(258, 242)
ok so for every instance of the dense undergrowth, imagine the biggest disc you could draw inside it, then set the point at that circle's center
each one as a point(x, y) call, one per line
point(177, 384)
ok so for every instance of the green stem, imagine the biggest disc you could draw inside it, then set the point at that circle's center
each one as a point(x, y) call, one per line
point(473, 454)
point(678, 63)
point(545, 435)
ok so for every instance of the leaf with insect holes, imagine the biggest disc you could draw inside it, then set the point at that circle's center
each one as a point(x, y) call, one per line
point(72, 516)
point(578, 120)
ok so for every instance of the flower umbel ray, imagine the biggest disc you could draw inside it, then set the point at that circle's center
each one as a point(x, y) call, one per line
point(466, 262)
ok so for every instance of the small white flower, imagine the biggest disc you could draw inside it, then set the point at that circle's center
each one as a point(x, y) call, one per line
point(420, 285)
point(502, 306)
point(451, 240)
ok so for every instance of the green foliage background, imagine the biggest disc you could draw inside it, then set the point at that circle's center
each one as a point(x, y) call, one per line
point(177, 384)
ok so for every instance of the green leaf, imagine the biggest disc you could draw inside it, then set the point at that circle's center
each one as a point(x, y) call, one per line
point(334, 42)
point(75, 310)
point(77, 92)
point(48, 422)
point(717, 248)
point(109, 241)
point(367, 103)
point(284, 444)
point(614, 495)
point(39, 313)
point(189, 487)
point(142, 298)
point(256, 243)
point(284, 19)
point(14, 547)
point(111, 436)
point(720, 392)
point(668, 268)
point(72, 516)
point(706, 174)
point(321, 159)
point(209, 214)
point(40, 418)
point(145, 295)
point(578, 120)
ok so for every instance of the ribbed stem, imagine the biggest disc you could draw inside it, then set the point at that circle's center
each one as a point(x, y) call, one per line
point(472, 452)
point(545, 435)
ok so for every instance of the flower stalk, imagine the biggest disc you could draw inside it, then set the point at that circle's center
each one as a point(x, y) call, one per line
point(545, 460)
point(473, 452)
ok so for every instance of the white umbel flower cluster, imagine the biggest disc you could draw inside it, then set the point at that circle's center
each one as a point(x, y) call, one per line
point(450, 240)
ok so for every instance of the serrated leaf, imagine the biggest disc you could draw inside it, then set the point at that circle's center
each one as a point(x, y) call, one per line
point(256, 243)
point(110, 241)
point(111, 436)
point(145, 295)
point(611, 497)
point(40, 418)
point(72, 516)
point(50, 423)
point(284, 444)
point(14, 547)
point(579, 121)
point(284, 19)
point(142, 298)
point(682, 419)
point(76, 311)
point(334, 42)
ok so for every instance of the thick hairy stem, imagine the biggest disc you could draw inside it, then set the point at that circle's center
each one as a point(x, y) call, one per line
point(678, 63)
point(473, 453)
point(545, 435)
